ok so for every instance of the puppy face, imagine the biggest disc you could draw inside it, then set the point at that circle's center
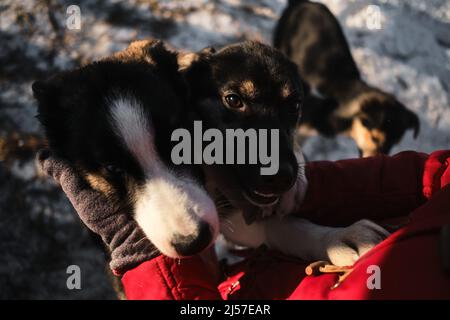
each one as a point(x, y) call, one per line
point(112, 121)
point(249, 85)
point(381, 123)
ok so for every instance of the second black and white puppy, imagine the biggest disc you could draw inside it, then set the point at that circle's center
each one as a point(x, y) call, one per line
point(310, 35)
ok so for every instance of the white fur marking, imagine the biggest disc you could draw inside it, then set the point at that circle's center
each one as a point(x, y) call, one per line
point(133, 126)
point(167, 204)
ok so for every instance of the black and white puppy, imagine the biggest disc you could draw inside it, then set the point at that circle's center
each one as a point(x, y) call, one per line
point(337, 99)
point(112, 120)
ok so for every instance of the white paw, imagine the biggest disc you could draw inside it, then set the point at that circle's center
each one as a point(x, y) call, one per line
point(346, 245)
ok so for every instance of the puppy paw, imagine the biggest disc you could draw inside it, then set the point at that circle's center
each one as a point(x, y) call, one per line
point(344, 246)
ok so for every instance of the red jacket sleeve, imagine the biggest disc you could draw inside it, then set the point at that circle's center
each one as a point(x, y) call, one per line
point(436, 172)
point(376, 188)
point(163, 278)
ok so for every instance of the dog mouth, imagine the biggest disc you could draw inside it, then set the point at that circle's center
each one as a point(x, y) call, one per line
point(260, 199)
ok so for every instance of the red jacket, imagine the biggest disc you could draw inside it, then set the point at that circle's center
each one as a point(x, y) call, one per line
point(413, 262)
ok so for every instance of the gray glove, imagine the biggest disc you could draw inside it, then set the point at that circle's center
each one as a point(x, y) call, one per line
point(127, 243)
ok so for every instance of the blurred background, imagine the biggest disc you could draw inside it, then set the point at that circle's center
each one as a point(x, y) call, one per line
point(401, 46)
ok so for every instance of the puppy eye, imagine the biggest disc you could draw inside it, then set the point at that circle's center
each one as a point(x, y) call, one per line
point(295, 107)
point(113, 170)
point(367, 123)
point(234, 101)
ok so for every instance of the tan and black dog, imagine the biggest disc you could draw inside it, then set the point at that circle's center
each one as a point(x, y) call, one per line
point(337, 99)
point(251, 85)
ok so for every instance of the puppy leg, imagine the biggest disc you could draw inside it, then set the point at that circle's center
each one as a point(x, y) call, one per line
point(346, 245)
point(306, 240)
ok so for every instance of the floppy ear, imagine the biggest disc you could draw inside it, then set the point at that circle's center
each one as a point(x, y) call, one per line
point(51, 112)
point(188, 60)
point(46, 95)
point(41, 90)
point(159, 55)
point(412, 122)
point(164, 60)
point(137, 50)
point(195, 69)
point(151, 51)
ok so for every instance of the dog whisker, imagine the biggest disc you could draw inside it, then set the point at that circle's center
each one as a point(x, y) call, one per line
point(222, 203)
point(228, 224)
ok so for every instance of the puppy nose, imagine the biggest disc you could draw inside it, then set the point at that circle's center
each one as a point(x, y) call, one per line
point(193, 244)
point(282, 181)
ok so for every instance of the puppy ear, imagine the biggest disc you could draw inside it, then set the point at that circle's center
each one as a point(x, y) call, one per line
point(137, 50)
point(160, 55)
point(164, 60)
point(152, 51)
point(412, 122)
point(195, 67)
point(42, 90)
point(188, 60)
point(46, 93)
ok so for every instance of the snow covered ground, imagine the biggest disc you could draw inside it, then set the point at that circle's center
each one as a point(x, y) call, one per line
point(401, 46)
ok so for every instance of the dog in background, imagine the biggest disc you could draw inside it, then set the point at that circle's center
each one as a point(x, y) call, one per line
point(337, 99)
